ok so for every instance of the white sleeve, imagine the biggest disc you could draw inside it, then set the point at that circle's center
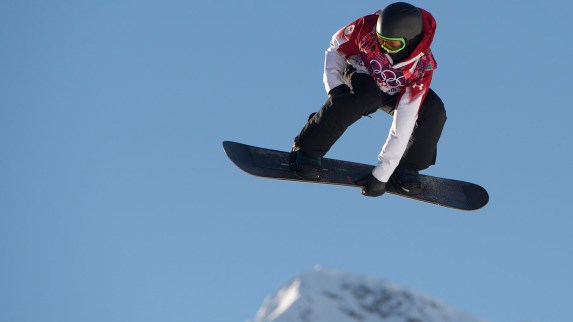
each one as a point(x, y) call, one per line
point(334, 64)
point(403, 124)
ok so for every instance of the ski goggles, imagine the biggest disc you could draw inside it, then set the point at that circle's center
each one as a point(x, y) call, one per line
point(391, 45)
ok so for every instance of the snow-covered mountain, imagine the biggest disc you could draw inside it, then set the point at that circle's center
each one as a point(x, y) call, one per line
point(332, 296)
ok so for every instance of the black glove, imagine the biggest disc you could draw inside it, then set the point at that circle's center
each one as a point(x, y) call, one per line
point(372, 187)
point(340, 89)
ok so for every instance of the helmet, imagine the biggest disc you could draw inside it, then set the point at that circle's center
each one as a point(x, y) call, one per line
point(399, 20)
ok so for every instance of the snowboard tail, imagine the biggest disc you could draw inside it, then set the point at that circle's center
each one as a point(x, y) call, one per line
point(274, 164)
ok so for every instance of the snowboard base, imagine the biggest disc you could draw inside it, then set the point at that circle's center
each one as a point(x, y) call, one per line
point(274, 164)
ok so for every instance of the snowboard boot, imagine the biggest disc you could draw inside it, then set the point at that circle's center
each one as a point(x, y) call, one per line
point(407, 181)
point(304, 166)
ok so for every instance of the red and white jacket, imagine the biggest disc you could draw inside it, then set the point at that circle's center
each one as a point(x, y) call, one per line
point(357, 45)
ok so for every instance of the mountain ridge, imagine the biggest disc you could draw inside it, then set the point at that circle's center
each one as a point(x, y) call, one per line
point(327, 295)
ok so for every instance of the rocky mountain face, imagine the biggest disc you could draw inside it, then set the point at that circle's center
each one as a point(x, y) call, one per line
point(333, 296)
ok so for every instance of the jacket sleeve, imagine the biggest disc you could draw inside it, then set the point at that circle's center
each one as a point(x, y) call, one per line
point(343, 45)
point(403, 124)
point(334, 64)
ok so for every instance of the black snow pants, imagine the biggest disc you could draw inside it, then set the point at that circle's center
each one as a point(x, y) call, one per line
point(326, 126)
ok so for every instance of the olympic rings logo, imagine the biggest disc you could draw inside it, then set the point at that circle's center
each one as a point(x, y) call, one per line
point(388, 77)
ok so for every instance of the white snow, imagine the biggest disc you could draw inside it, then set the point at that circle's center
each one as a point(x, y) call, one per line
point(326, 295)
point(286, 298)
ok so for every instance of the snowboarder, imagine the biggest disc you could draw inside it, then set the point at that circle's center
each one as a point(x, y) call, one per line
point(380, 61)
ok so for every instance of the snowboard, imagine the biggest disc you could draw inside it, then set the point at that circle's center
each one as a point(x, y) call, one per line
point(274, 164)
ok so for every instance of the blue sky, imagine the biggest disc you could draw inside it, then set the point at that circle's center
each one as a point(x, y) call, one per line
point(117, 202)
